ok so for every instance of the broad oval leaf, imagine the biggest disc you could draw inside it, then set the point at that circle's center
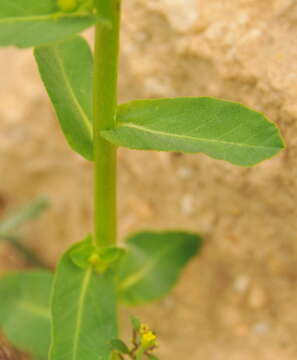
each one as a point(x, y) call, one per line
point(27, 23)
point(24, 311)
point(66, 70)
point(83, 312)
point(153, 264)
point(221, 129)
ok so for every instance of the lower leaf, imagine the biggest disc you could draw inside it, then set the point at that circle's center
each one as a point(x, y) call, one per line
point(153, 264)
point(24, 311)
point(83, 312)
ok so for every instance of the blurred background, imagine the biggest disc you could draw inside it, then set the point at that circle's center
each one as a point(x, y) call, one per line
point(237, 300)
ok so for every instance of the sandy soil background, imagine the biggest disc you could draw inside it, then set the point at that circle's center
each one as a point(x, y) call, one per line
point(237, 301)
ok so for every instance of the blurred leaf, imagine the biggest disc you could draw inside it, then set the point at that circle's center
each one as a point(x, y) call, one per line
point(152, 357)
point(136, 323)
point(83, 311)
point(11, 223)
point(81, 253)
point(153, 264)
point(29, 212)
point(220, 129)
point(27, 23)
point(24, 311)
point(27, 253)
point(120, 346)
point(66, 70)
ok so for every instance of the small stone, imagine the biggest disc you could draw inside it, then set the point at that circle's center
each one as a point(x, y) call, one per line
point(241, 283)
point(184, 172)
point(187, 204)
point(180, 16)
point(261, 328)
point(241, 330)
point(257, 298)
point(141, 208)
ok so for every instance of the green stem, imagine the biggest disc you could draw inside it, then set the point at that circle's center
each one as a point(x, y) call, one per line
point(139, 354)
point(105, 102)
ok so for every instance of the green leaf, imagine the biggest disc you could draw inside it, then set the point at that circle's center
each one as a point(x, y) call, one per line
point(27, 23)
point(136, 323)
point(66, 70)
point(220, 129)
point(29, 212)
point(83, 312)
point(24, 311)
point(119, 345)
point(81, 253)
point(153, 264)
point(152, 357)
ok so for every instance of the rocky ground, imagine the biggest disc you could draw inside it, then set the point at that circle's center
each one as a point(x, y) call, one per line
point(237, 301)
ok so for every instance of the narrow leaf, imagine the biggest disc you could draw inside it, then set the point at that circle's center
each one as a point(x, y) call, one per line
point(153, 357)
point(83, 312)
point(220, 129)
point(24, 311)
point(27, 23)
point(135, 322)
point(29, 212)
point(119, 345)
point(33, 259)
point(66, 70)
point(153, 264)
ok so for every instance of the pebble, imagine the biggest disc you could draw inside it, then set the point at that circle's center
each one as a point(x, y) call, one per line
point(141, 208)
point(186, 204)
point(241, 330)
point(261, 328)
point(257, 298)
point(180, 16)
point(184, 172)
point(241, 283)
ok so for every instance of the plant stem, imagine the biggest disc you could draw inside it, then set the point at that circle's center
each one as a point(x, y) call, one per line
point(139, 354)
point(105, 102)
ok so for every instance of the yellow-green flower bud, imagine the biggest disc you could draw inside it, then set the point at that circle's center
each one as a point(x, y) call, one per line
point(148, 340)
point(67, 5)
point(94, 259)
point(144, 328)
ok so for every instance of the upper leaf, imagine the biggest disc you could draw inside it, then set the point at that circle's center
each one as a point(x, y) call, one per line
point(83, 312)
point(27, 23)
point(221, 129)
point(24, 311)
point(66, 70)
point(153, 264)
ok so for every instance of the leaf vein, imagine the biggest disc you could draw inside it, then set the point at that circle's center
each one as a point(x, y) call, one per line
point(83, 114)
point(188, 137)
point(80, 311)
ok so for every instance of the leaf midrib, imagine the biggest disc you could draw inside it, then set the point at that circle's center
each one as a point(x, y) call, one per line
point(80, 109)
point(51, 16)
point(188, 137)
point(138, 276)
point(80, 311)
point(37, 310)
